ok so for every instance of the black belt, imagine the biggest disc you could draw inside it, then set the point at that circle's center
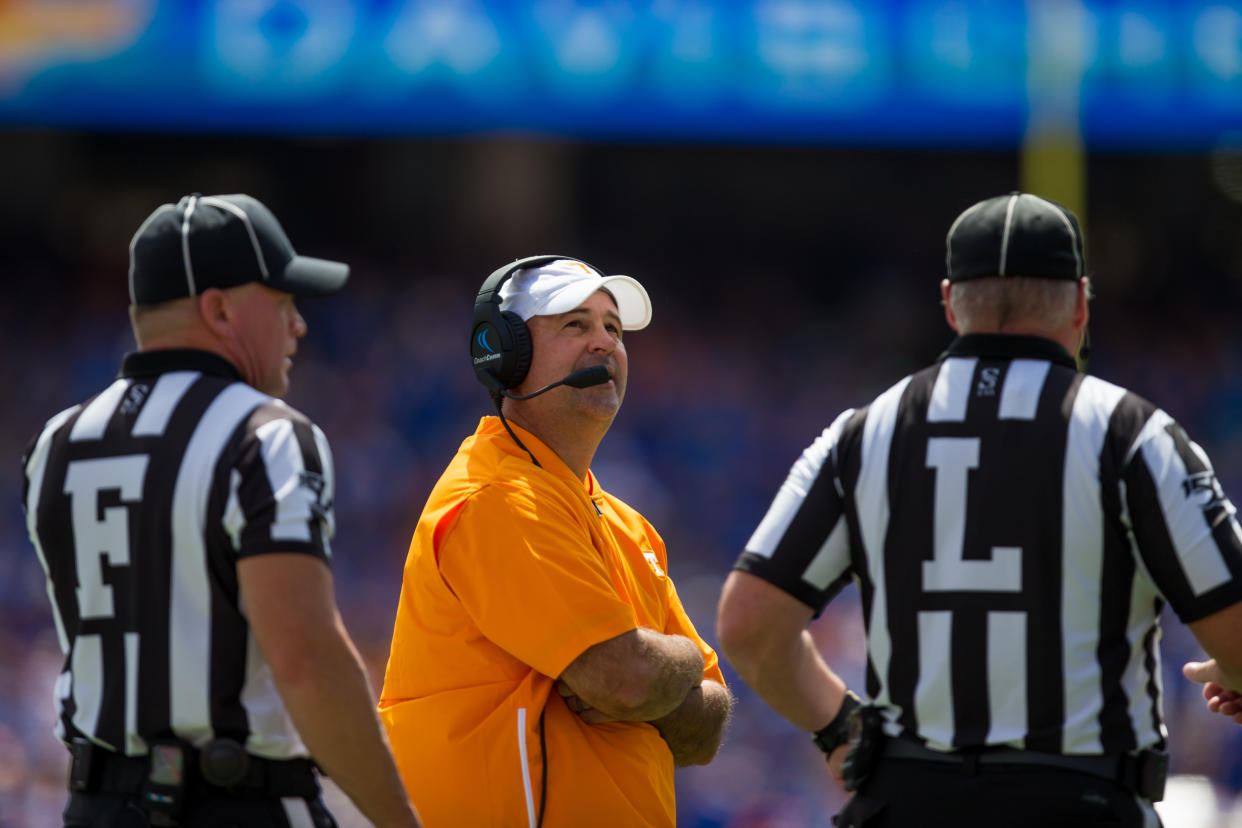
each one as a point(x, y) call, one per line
point(97, 770)
point(1142, 773)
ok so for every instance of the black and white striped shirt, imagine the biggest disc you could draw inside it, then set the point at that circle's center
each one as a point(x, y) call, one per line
point(1014, 528)
point(139, 503)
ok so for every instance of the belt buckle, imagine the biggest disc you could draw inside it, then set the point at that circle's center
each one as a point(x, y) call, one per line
point(223, 763)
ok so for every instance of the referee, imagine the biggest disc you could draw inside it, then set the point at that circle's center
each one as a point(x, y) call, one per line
point(182, 517)
point(1014, 528)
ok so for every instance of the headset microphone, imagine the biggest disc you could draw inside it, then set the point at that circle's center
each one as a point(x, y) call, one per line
point(583, 378)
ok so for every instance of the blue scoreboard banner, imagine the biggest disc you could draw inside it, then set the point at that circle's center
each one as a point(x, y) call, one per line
point(971, 73)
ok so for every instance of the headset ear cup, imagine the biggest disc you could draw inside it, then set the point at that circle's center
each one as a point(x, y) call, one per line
point(516, 364)
point(506, 362)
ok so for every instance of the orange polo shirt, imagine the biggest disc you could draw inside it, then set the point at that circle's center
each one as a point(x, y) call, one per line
point(513, 572)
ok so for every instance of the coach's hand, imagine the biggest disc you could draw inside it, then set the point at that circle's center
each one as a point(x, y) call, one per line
point(583, 710)
point(1218, 698)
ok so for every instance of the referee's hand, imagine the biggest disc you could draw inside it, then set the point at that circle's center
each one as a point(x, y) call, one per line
point(1219, 699)
point(835, 762)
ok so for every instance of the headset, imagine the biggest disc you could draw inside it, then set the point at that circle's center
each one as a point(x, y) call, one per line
point(500, 346)
point(500, 341)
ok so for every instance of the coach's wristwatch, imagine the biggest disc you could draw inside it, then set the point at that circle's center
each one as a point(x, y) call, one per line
point(837, 732)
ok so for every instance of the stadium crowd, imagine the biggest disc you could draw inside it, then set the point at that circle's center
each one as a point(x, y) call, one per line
point(735, 371)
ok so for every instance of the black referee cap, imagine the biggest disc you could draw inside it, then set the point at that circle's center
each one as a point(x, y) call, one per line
point(1015, 235)
point(221, 241)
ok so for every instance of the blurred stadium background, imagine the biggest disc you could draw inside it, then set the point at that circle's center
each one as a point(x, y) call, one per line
point(780, 175)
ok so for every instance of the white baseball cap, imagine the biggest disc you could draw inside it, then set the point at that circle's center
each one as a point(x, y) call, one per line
point(562, 285)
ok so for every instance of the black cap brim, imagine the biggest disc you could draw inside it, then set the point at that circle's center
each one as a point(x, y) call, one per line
point(311, 277)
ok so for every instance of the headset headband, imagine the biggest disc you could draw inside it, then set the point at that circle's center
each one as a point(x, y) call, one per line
point(500, 347)
point(490, 290)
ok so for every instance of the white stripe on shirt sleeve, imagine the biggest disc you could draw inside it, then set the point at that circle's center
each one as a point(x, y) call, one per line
point(802, 476)
point(1197, 552)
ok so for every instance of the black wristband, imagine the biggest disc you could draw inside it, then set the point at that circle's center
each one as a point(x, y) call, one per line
point(837, 732)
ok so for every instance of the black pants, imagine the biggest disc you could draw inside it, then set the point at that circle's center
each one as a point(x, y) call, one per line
point(909, 792)
point(104, 810)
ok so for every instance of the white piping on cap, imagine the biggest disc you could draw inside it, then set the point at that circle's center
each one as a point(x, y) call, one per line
point(185, 244)
point(1004, 251)
point(245, 219)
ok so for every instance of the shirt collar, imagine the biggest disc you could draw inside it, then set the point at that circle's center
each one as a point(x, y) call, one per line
point(548, 459)
point(1009, 346)
point(148, 363)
